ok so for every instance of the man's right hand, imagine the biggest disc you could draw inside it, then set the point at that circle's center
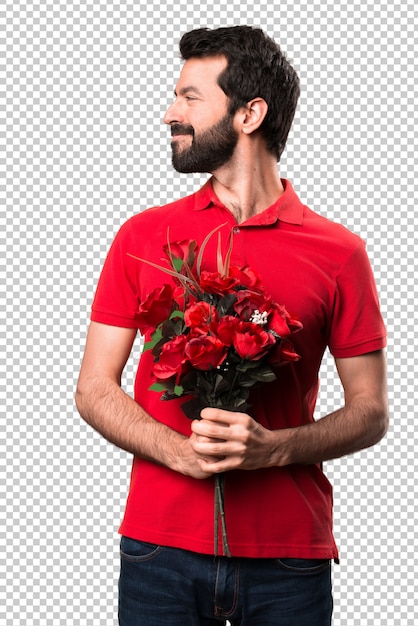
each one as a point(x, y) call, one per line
point(188, 460)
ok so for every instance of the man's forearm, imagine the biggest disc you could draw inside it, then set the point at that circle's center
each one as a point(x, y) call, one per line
point(239, 442)
point(122, 421)
point(354, 427)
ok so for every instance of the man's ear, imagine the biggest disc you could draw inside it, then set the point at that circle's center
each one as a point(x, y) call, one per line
point(253, 115)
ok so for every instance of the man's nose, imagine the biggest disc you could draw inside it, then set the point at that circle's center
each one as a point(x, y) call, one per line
point(173, 114)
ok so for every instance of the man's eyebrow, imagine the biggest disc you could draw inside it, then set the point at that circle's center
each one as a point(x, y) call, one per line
point(188, 89)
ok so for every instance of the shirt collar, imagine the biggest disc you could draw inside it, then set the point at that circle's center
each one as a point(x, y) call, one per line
point(288, 208)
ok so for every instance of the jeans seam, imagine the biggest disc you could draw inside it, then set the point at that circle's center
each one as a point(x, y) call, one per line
point(219, 612)
point(140, 558)
point(304, 570)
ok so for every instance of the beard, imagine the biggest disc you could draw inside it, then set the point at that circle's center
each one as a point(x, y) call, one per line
point(209, 150)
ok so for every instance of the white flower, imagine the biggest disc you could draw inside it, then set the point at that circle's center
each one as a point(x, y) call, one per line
point(259, 318)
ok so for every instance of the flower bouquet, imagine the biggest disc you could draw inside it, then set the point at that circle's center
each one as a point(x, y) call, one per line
point(214, 336)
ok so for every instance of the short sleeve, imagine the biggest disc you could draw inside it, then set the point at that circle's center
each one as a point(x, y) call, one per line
point(116, 298)
point(357, 326)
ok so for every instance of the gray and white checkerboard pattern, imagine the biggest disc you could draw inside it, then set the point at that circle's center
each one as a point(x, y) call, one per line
point(86, 86)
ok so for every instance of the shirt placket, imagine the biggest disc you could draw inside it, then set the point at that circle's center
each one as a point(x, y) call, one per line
point(239, 238)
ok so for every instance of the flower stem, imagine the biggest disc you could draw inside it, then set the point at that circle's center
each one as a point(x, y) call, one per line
point(232, 387)
point(220, 513)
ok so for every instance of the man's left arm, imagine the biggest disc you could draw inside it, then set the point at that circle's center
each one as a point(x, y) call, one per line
point(245, 444)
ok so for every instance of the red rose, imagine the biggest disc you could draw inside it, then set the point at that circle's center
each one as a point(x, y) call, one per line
point(201, 316)
point(227, 328)
point(279, 320)
point(252, 342)
point(248, 302)
point(184, 250)
point(284, 352)
point(179, 296)
point(213, 282)
point(205, 352)
point(156, 308)
point(294, 324)
point(246, 277)
point(171, 360)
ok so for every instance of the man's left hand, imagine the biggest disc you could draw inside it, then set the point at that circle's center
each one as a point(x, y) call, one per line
point(235, 439)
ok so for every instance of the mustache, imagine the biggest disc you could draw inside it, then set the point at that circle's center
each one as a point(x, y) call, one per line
point(182, 129)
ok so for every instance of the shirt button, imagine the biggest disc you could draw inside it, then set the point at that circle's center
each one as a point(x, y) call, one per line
point(236, 230)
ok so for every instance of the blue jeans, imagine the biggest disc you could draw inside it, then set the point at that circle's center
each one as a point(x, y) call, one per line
point(162, 586)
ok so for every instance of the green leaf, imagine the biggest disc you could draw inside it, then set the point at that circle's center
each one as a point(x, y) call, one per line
point(225, 304)
point(248, 382)
point(168, 329)
point(222, 385)
point(157, 387)
point(156, 351)
point(218, 381)
point(263, 375)
point(155, 338)
point(178, 390)
point(246, 365)
point(242, 404)
point(176, 314)
point(177, 263)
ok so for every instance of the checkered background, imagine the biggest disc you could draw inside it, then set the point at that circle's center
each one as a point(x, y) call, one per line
point(84, 89)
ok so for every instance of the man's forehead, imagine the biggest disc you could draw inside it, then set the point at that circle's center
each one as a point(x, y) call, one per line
point(187, 89)
point(198, 72)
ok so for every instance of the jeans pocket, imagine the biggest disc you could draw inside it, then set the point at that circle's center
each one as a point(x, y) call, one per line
point(304, 566)
point(136, 551)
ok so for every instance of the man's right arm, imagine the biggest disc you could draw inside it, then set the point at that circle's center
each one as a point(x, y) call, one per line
point(108, 409)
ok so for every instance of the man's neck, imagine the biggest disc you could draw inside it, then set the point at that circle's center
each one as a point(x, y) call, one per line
point(249, 187)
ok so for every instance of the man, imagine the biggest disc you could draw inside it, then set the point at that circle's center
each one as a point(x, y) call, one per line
point(234, 104)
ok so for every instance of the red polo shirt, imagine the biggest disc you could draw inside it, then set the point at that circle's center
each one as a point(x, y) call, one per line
point(321, 273)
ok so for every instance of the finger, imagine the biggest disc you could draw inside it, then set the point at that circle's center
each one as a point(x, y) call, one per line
point(204, 439)
point(216, 466)
point(220, 415)
point(209, 429)
point(209, 448)
point(210, 460)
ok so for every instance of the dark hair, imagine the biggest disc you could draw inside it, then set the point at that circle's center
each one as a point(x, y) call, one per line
point(256, 68)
